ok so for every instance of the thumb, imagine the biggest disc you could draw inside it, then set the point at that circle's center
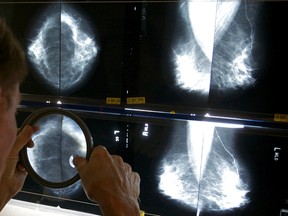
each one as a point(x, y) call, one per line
point(80, 164)
point(22, 139)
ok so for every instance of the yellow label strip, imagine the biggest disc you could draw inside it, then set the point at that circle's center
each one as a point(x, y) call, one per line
point(112, 100)
point(281, 117)
point(136, 100)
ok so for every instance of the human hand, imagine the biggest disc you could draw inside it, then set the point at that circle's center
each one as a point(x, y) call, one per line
point(14, 173)
point(110, 182)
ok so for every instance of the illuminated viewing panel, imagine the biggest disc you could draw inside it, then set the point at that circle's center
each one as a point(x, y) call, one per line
point(170, 53)
point(186, 167)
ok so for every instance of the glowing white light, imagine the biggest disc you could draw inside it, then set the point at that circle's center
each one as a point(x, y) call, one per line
point(172, 184)
point(14, 206)
point(59, 102)
point(146, 130)
point(189, 76)
point(230, 184)
point(170, 178)
point(225, 125)
point(202, 134)
point(117, 135)
point(71, 161)
point(203, 26)
point(116, 132)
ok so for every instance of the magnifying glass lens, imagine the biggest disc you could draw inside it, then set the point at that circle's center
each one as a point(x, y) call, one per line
point(60, 136)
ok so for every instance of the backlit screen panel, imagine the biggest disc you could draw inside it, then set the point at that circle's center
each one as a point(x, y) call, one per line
point(69, 47)
point(249, 59)
point(187, 167)
point(169, 53)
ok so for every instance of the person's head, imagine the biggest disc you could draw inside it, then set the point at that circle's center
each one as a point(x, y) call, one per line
point(12, 71)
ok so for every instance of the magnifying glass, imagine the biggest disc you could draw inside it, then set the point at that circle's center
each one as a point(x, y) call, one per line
point(61, 135)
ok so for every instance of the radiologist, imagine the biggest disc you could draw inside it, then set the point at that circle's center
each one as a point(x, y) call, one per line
point(106, 178)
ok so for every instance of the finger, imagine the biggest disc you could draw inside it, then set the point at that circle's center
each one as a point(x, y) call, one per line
point(22, 139)
point(30, 144)
point(100, 150)
point(117, 159)
point(127, 167)
point(137, 177)
point(80, 164)
point(34, 127)
point(99, 153)
point(22, 169)
point(135, 181)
